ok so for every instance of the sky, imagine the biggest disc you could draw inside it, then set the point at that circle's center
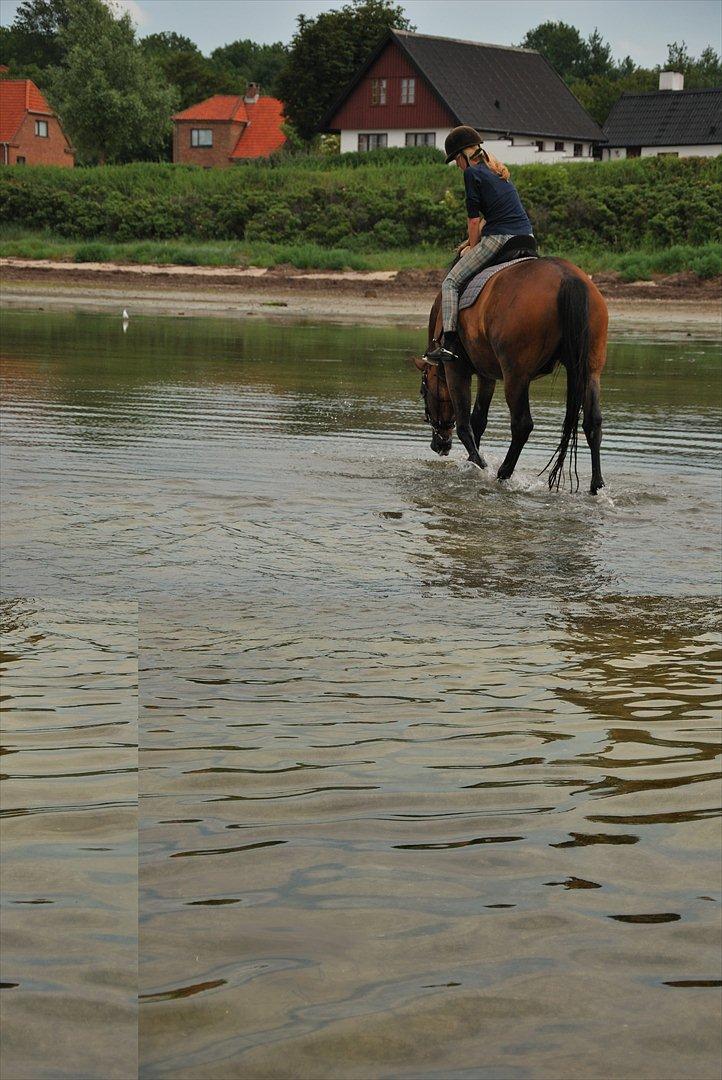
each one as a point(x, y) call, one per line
point(641, 29)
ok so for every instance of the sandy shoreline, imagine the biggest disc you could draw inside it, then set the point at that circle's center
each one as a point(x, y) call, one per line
point(377, 298)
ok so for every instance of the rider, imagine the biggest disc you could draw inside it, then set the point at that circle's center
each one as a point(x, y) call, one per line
point(489, 192)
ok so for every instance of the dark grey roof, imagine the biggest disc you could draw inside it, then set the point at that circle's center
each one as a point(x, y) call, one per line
point(471, 78)
point(495, 88)
point(666, 118)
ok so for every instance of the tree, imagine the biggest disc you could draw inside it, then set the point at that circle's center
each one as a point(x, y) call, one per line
point(249, 62)
point(599, 56)
point(114, 102)
point(32, 43)
point(325, 54)
point(562, 45)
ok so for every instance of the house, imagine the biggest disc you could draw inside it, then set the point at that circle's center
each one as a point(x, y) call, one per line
point(671, 121)
point(30, 132)
point(414, 88)
point(228, 128)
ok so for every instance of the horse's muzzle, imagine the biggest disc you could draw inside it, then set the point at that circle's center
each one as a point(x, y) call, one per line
point(440, 445)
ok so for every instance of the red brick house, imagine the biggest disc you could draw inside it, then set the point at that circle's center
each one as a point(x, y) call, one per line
point(30, 132)
point(413, 88)
point(228, 128)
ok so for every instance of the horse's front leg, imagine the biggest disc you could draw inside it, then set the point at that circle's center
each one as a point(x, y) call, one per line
point(480, 412)
point(458, 380)
point(522, 425)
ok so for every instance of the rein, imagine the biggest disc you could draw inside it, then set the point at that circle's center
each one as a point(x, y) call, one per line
point(436, 425)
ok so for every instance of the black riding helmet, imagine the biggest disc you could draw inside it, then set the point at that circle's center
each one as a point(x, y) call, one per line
point(458, 139)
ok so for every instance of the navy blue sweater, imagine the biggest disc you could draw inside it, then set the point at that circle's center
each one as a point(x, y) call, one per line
point(497, 200)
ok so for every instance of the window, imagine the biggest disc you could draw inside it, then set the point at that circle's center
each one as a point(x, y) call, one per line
point(559, 147)
point(408, 91)
point(421, 138)
point(41, 128)
point(578, 149)
point(540, 145)
point(20, 161)
point(201, 137)
point(668, 153)
point(378, 91)
point(634, 151)
point(372, 142)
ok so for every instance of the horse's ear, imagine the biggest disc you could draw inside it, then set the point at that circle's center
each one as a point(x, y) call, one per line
point(419, 363)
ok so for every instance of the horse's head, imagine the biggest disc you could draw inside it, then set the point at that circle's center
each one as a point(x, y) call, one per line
point(438, 409)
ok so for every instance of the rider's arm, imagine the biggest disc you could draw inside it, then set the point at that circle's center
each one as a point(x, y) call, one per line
point(474, 226)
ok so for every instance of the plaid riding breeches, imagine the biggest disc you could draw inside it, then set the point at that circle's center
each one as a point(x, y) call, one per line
point(467, 267)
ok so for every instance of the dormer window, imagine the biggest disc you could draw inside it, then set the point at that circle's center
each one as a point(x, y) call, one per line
point(41, 128)
point(378, 91)
point(408, 91)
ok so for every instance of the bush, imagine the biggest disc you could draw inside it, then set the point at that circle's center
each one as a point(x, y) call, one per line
point(368, 202)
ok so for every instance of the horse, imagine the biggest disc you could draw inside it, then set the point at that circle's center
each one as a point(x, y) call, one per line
point(528, 319)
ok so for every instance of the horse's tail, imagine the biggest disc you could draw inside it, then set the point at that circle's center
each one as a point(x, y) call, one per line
point(573, 309)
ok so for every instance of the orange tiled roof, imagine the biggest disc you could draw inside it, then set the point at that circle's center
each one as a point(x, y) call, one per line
point(218, 107)
point(18, 97)
point(263, 133)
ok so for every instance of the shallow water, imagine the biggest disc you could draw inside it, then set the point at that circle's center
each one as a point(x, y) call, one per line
point(428, 766)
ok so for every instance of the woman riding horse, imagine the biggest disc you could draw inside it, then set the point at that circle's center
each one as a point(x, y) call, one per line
point(528, 319)
point(490, 192)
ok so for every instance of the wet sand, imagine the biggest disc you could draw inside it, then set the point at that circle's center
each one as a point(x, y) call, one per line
point(380, 298)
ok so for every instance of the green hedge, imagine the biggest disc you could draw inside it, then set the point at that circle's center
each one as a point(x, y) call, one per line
point(367, 202)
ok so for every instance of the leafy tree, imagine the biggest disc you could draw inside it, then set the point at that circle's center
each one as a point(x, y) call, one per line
point(167, 41)
point(32, 43)
point(599, 92)
point(115, 104)
point(698, 74)
point(184, 67)
point(562, 45)
point(599, 56)
point(247, 61)
point(325, 54)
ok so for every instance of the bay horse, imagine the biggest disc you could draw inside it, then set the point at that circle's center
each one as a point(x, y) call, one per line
point(528, 319)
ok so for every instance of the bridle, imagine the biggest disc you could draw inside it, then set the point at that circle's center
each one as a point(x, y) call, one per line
point(427, 394)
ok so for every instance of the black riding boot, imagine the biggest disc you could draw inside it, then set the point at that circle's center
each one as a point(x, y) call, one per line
point(448, 350)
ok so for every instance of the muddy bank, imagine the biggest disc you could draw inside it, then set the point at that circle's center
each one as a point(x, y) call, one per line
point(680, 302)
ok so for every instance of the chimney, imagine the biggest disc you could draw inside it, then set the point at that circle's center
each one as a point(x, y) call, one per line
point(252, 92)
point(671, 80)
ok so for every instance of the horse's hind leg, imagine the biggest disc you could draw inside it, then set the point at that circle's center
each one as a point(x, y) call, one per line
point(522, 425)
point(592, 425)
point(480, 412)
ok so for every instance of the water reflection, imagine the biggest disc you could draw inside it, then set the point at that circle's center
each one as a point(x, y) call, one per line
point(428, 765)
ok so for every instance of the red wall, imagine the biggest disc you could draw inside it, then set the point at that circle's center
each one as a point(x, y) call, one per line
point(357, 112)
point(225, 138)
point(37, 151)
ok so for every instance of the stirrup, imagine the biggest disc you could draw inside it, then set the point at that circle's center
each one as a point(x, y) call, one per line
point(438, 355)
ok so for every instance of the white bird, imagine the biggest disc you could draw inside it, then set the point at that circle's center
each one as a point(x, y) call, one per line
point(126, 316)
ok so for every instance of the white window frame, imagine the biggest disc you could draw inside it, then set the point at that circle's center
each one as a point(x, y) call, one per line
point(378, 91)
point(421, 138)
point(578, 149)
point(373, 141)
point(408, 91)
point(39, 125)
point(196, 138)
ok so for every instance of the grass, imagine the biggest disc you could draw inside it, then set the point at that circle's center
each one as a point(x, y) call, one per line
point(704, 260)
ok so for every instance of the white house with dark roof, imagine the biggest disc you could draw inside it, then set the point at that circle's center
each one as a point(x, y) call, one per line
point(671, 121)
point(414, 88)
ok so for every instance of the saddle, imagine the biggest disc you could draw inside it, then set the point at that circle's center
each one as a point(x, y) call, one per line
point(514, 250)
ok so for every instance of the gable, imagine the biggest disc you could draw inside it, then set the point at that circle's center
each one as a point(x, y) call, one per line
point(17, 98)
point(357, 112)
